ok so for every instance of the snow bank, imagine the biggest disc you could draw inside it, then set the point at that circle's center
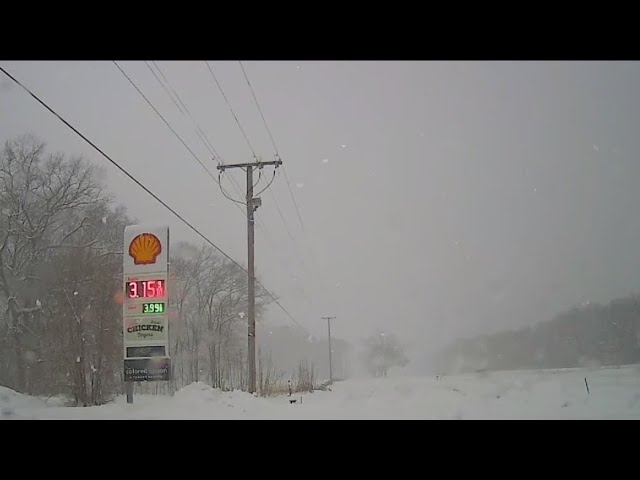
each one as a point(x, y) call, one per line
point(557, 394)
point(14, 405)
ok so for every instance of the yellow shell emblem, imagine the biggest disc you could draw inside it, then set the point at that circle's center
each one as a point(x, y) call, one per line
point(144, 249)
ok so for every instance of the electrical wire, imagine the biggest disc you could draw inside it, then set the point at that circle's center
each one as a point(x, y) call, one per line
point(164, 87)
point(231, 109)
point(259, 221)
point(172, 89)
point(261, 224)
point(259, 109)
point(199, 131)
point(203, 137)
point(164, 120)
point(273, 142)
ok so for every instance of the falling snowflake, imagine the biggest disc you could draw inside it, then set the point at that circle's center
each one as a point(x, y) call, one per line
point(38, 303)
point(78, 360)
point(241, 314)
point(300, 185)
point(93, 369)
point(535, 189)
point(75, 293)
point(104, 220)
point(344, 146)
point(337, 284)
point(297, 67)
point(596, 148)
point(325, 160)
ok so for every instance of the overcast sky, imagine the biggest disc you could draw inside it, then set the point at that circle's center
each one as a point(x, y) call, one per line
point(439, 199)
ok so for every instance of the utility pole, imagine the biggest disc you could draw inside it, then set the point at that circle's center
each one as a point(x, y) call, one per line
point(252, 206)
point(328, 319)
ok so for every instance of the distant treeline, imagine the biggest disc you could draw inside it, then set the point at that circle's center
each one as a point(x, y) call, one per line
point(588, 335)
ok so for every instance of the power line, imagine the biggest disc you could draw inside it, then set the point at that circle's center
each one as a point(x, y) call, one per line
point(261, 224)
point(174, 92)
point(165, 122)
point(164, 87)
point(217, 157)
point(293, 198)
point(286, 226)
point(225, 193)
point(275, 147)
point(199, 131)
point(231, 109)
point(201, 134)
point(284, 222)
point(259, 109)
point(272, 141)
point(141, 185)
point(203, 137)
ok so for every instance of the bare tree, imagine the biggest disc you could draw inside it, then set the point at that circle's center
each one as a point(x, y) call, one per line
point(382, 352)
point(305, 377)
point(209, 333)
point(40, 200)
point(268, 378)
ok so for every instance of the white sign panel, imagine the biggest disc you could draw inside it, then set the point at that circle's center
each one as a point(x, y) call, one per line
point(146, 330)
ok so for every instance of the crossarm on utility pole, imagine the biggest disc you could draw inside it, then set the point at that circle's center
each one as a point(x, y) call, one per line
point(259, 164)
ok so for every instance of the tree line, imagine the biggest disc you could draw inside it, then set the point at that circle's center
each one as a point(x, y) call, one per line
point(586, 335)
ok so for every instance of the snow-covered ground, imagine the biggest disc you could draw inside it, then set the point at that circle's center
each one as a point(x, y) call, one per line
point(558, 394)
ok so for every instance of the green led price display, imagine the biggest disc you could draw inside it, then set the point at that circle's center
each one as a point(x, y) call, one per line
point(153, 308)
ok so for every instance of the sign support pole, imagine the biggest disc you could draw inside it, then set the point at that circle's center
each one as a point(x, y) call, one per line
point(128, 389)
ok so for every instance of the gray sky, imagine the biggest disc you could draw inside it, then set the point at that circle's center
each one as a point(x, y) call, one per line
point(458, 198)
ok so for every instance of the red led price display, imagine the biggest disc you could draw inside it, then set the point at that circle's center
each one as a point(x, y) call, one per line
point(146, 289)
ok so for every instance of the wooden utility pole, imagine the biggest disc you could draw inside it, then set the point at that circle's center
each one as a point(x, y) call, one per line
point(328, 319)
point(252, 205)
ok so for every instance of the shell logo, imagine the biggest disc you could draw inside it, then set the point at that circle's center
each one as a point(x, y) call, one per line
point(144, 249)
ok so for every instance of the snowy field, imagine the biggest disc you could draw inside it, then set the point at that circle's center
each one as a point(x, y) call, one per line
point(552, 394)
